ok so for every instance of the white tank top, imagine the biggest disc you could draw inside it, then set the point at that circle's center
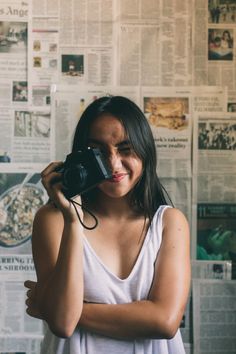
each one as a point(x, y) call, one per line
point(102, 286)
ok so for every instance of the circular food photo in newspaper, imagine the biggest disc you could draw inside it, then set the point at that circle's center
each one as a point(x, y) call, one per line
point(18, 205)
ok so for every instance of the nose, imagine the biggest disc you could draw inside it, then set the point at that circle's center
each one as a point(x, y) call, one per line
point(114, 160)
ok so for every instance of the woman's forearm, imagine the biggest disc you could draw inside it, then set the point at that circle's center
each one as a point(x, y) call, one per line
point(139, 319)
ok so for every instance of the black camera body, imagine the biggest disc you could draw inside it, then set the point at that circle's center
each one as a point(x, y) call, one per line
point(83, 170)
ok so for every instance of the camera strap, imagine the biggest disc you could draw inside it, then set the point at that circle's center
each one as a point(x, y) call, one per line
point(74, 203)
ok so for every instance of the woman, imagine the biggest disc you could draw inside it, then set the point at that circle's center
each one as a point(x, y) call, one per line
point(123, 286)
point(226, 40)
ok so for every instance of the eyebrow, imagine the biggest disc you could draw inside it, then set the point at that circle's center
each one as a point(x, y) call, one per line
point(98, 142)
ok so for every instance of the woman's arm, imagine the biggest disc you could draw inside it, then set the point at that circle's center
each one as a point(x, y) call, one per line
point(58, 253)
point(160, 315)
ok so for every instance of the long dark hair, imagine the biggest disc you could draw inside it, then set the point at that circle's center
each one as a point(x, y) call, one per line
point(148, 194)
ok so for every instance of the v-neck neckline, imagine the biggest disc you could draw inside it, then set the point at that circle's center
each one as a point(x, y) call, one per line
point(138, 259)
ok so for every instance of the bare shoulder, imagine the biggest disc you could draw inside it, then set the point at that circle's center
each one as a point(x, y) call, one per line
point(48, 209)
point(46, 215)
point(175, 222)
point(174, 215)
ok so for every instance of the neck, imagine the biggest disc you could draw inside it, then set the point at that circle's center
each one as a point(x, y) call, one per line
point(118, 208)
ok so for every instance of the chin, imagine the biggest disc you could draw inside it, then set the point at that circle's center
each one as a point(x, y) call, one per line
point(116, 195)
point(114, 192)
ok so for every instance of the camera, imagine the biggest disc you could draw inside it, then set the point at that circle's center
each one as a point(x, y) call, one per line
point(83, 170)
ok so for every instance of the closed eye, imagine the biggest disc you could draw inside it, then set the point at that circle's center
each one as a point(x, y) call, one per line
point(125, 150)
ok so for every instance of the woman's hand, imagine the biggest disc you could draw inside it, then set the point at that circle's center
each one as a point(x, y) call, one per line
point(52, 182)
point(32, 308)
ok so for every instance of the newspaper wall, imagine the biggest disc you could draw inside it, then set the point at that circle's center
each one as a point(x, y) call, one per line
point(57, 56)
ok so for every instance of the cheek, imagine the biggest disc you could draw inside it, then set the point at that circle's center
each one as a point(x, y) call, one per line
point(136, 166)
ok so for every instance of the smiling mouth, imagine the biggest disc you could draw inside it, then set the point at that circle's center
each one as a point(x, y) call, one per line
point(118, 177)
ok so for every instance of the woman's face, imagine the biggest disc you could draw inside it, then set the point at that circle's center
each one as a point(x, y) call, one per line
point(226, 36)
point(107, 133)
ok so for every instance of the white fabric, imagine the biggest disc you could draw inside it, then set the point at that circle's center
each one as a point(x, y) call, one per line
point(102, 286)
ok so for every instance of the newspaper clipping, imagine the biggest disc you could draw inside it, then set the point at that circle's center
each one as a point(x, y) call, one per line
point(214, 311)
point(221, 270)
point(214, 27)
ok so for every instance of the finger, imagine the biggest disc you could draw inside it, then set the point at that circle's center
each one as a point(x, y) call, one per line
point(30, 284)
point(52, 181)
point(33, 312)
point(29, 303)
point(30, 293)
point(50, 168)
point(56, 194)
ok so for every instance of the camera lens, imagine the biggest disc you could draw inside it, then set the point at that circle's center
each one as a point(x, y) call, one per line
point(75, 177)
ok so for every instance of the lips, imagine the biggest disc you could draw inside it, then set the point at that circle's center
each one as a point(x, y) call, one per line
point(118, 177)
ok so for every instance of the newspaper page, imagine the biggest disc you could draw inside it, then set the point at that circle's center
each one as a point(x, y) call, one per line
point(214, 27)
point(14, 15)
point(153, 43)
point(214, 148)
point(18, 331)
point(43, 62)
point(216, 237)
point(43, 52)
point(214, 192)
point(214, 313)
point(170, 113)
point(69, 103)
point(201, 270)
point(25, 133)
point(14, 19)
point(86, 42)
point(26, 136)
